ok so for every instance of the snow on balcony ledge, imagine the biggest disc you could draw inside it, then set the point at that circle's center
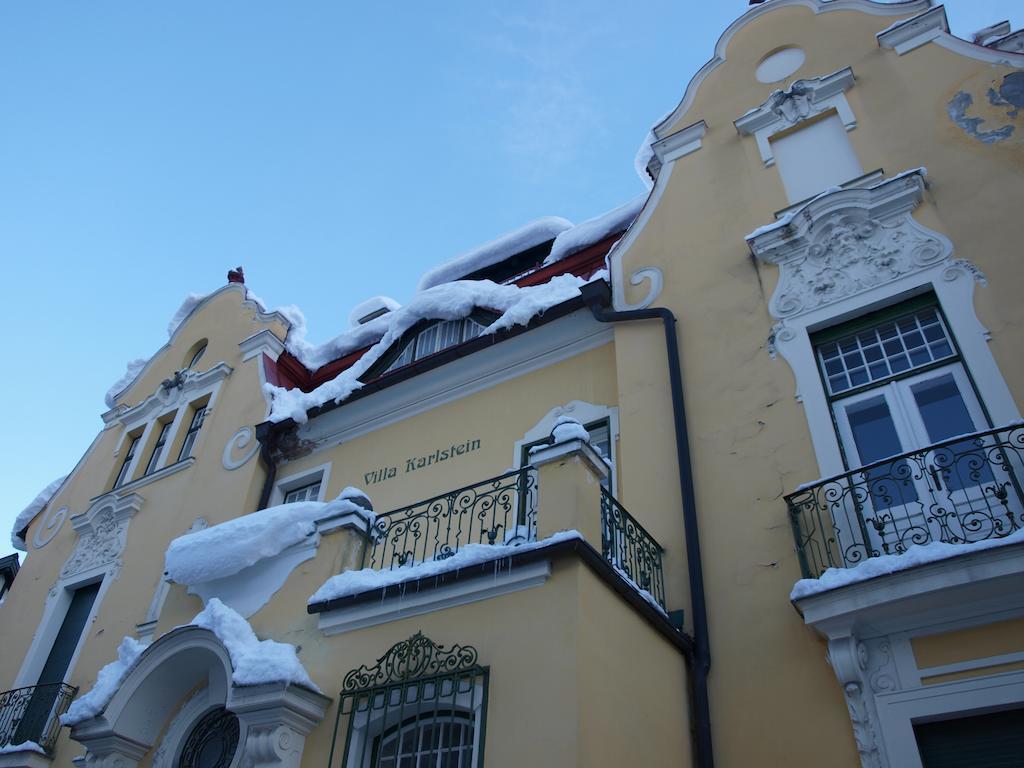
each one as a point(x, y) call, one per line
point(873, 567)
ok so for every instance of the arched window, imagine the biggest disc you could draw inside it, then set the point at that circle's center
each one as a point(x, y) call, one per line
point(422, 705)
point(212, 742)
point(444, 740)
point(438, 336)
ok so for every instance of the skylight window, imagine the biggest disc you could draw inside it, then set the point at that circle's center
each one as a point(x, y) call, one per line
point(435, 338)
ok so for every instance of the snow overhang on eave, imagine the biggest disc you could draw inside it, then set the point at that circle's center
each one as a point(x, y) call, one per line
point(600, 292)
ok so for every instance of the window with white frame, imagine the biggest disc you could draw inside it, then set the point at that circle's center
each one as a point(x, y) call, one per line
point(435, 338)
point(193, 432)
point(158, 447)
point(126, 465)
point(308, 492)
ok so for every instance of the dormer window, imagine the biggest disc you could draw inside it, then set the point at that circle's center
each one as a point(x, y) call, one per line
point(436, 337)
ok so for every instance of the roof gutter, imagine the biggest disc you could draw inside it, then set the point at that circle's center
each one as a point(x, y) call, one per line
point(598, 299)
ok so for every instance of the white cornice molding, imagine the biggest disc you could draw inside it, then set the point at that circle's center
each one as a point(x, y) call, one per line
point(262, 341)
point(801, 100)
point(931, 27)
point(192, 385)
point(680, 143)
point(914, 32)
point(124, 507)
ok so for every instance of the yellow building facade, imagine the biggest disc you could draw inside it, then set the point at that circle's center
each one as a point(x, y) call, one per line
point(731, 476)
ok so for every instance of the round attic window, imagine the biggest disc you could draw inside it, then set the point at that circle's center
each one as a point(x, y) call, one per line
point(779, 64)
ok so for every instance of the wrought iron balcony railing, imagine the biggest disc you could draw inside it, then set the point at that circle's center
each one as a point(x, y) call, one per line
point(959, 491)
point(502, 510)
point(33, 714)
point(630, 548)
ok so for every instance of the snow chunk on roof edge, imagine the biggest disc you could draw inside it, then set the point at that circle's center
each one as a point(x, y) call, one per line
point(495, 251)
point(594, 230)
point(25, 517)
point(450, 301)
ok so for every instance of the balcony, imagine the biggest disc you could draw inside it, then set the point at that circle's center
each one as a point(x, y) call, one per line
point(959, 491)
point(503, 511)
point(32, 714)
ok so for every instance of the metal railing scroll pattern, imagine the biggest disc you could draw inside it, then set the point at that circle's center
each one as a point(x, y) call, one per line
point(630, 548)
point(501, 510)
point(958, 491)
point(32, 714)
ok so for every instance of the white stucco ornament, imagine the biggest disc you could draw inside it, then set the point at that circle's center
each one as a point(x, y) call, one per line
point(240, 448)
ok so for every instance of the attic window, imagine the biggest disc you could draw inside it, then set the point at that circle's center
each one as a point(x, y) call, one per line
point(434, 338)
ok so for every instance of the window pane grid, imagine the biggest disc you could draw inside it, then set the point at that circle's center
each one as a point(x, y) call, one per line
point(193, 431)
point(309, 492)
point(887, 349)
point(158, 449)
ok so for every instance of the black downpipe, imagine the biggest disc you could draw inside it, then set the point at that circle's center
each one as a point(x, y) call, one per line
point(267, 437)
point(596, 296)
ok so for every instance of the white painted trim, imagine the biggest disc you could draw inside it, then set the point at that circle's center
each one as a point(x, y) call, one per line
point(584, 413)
point(558, 340)
point(972, 664)
point(651, 275)
point(160, 403)
point(914, 32)
point(25, 759)
point(898, 711)
point(283, 485)
point(681, 143)
point(170, 469)
point(260, 343)
point(246, 436)
point(804, 99)
point(931, 27)
point(369, 614)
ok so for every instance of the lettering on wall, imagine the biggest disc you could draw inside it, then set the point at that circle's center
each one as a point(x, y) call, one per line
point(414, 463)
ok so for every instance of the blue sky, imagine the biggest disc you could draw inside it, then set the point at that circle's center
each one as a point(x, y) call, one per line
point(336, 150)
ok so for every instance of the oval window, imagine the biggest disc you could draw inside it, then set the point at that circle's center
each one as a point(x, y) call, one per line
point(780, 64)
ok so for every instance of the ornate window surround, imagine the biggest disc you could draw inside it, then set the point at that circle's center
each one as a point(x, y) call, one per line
point(102, 532)
point(801, 100)
point(191, 387)
point(851, 251)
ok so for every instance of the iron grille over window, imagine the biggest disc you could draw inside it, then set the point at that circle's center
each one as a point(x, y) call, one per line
point(213, 741)
point(420, 706)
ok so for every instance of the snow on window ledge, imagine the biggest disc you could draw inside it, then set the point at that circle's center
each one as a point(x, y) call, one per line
point(873, 567)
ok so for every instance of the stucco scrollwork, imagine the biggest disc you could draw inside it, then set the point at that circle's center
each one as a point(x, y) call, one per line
point(49, 527)
point(850, 254)
point(851, 658)
point(102, 546)
point(243, 440)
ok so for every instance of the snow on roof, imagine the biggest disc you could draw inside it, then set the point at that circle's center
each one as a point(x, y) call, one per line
point(253, 661)
point(450, 301)
point(495, 251)
point(108, 680)
point(356, 582)
point(191, 301)
point(594, 230)
point(25, 517)
point(134, 369)
point(920, 554)
point(643, 157)
point(225, 549)
point(374, 304)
